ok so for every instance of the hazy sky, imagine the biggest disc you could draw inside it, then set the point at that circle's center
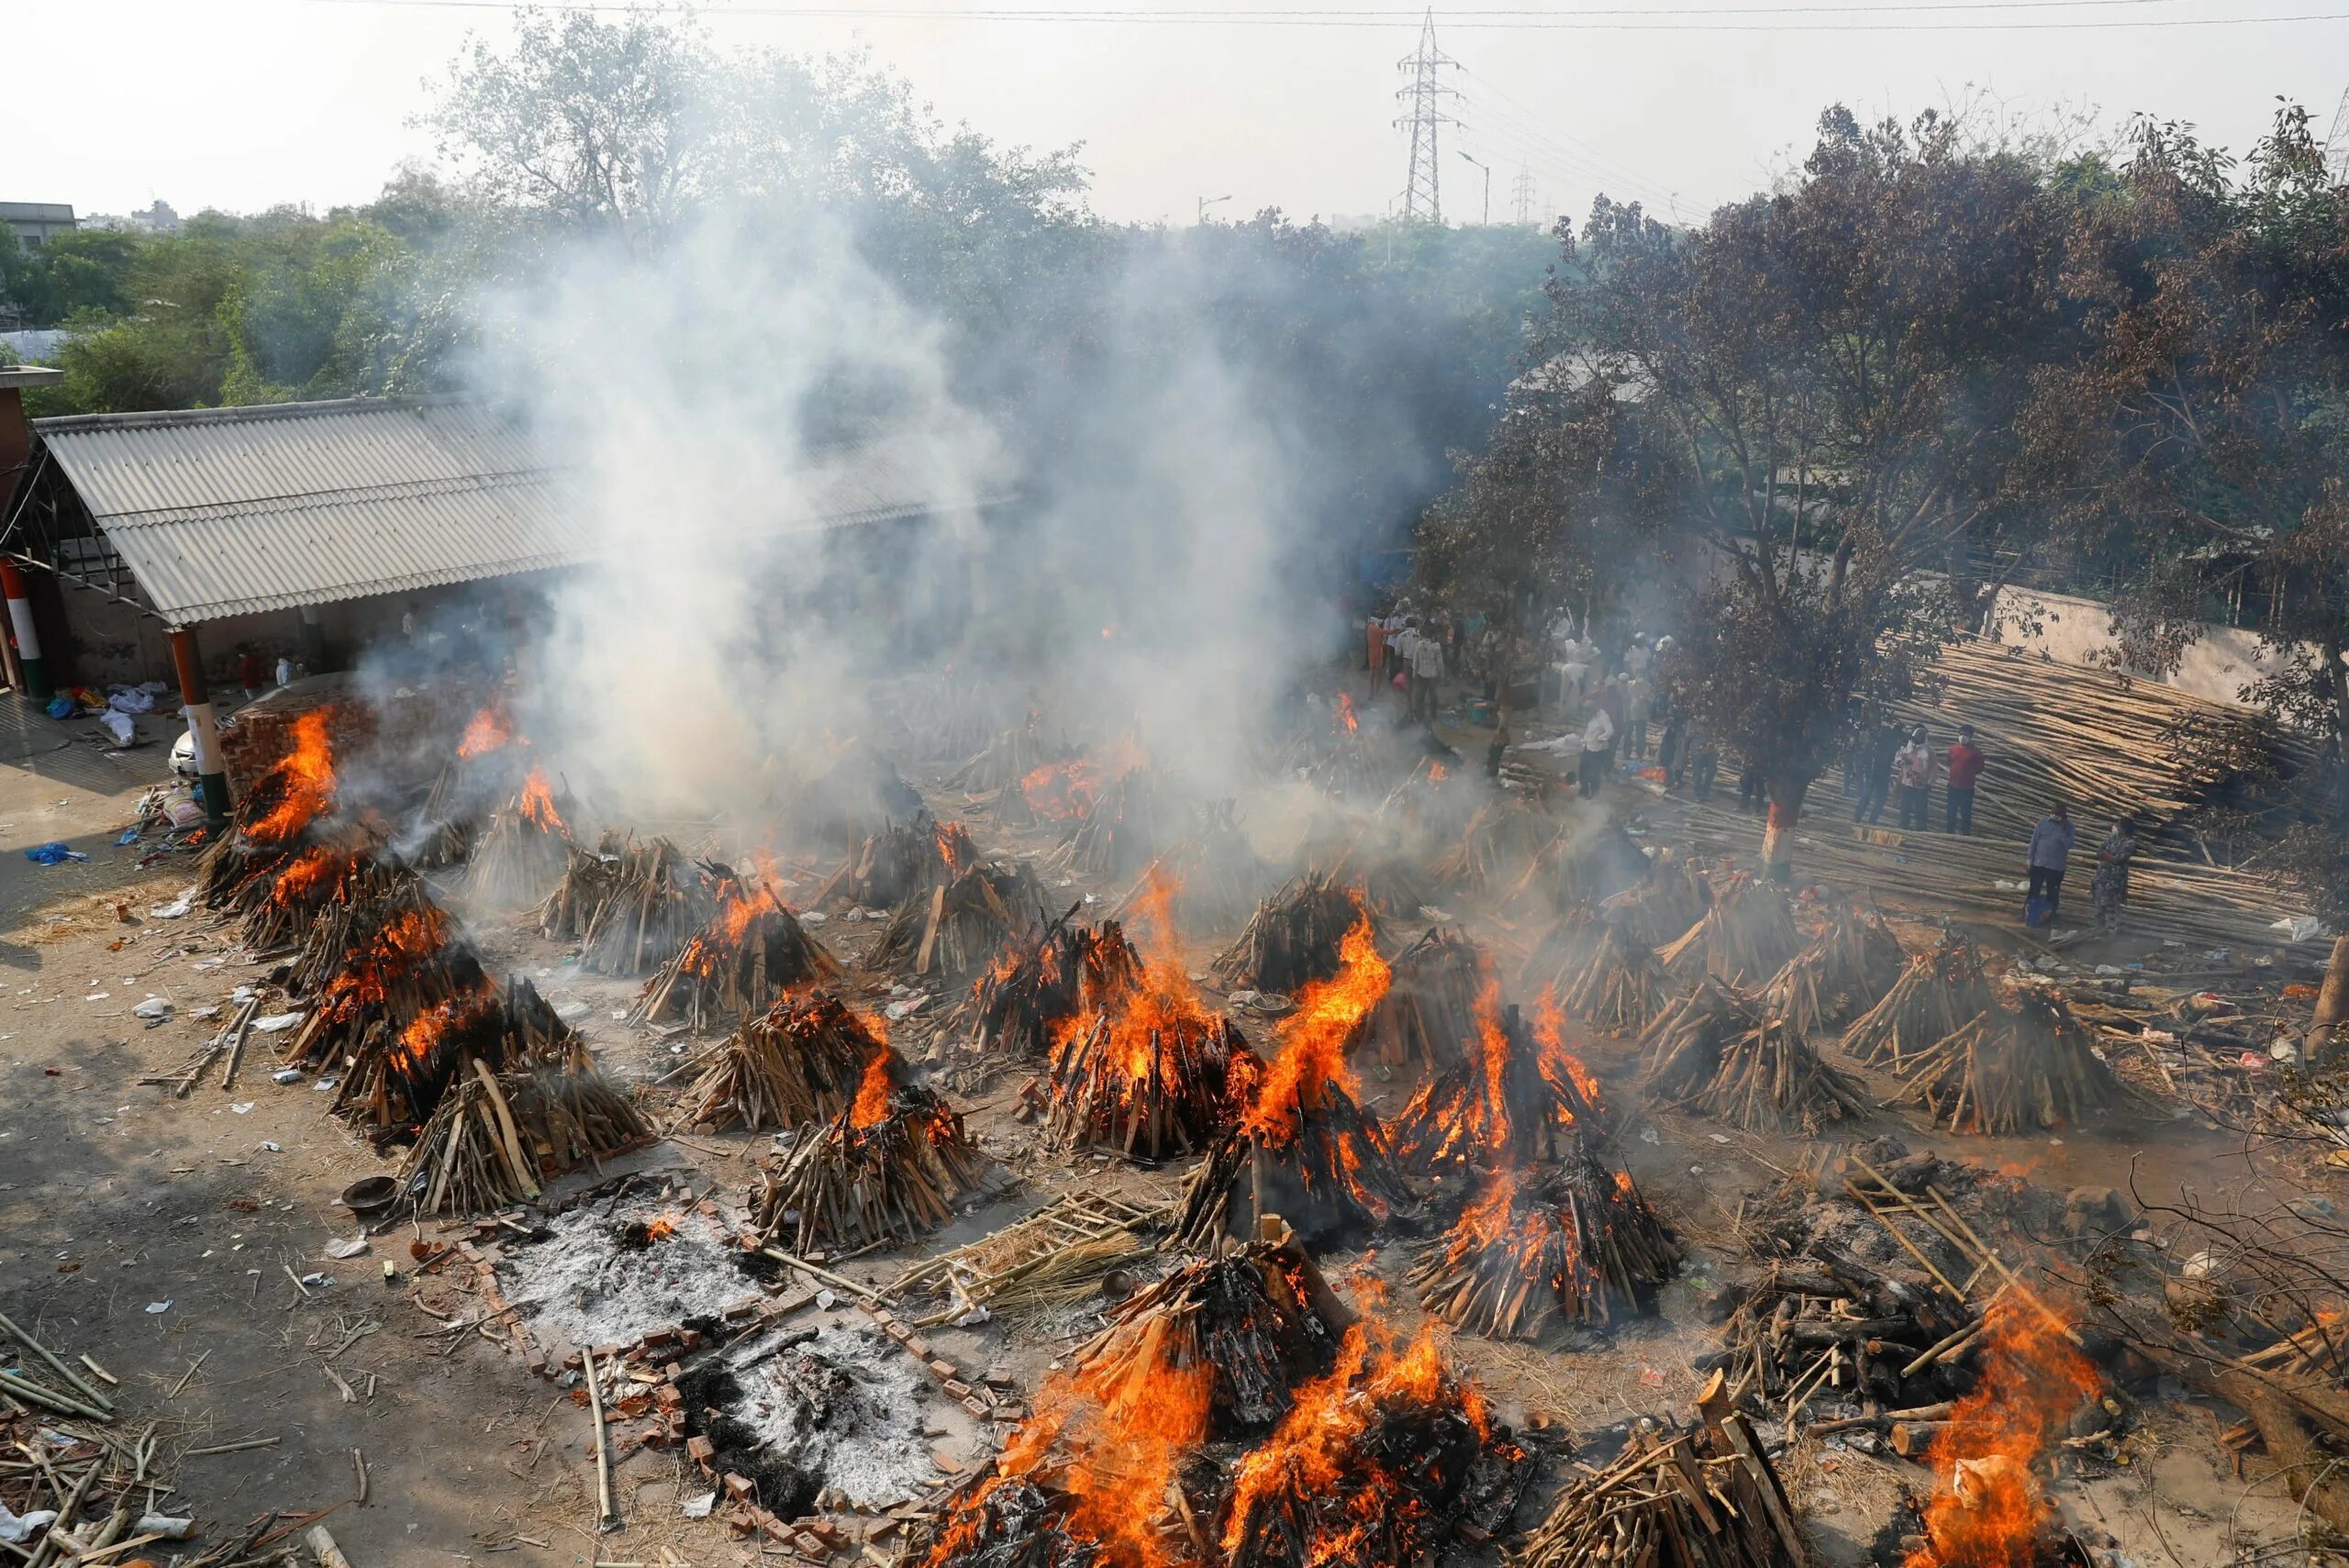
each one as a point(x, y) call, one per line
point(239, 103)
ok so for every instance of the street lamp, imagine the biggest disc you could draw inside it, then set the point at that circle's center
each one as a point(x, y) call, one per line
point(1206, 201)
point(1488, 185)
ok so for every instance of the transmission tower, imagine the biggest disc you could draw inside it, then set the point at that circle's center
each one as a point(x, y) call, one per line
point(1423, 95)
point(1523, 190)
point(2337, 144)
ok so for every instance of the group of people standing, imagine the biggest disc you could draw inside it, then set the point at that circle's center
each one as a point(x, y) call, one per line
point(1414, 645)
point(1883, 758)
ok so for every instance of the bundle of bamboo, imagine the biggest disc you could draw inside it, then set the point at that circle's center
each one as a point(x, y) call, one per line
point(1618, 987)
point(873, 1174)
point(1846, 969)
point(1748, 933)
point(2022, 1064)
point(1760, 1074)
point(799, 1061)
point(1942, 989)
point(1578, 1243)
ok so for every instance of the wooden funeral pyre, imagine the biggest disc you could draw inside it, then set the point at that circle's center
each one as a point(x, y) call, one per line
point(958, 927)
point(1845, 971)
point(588, 878)
point(1149, 1075)
point(1674, 897)
point(889, 1167)
point(522, 853)
point(1007, 759)
point(1715, 1054)
point(1020, 1005)
point(1517, 1095)
point(282, 899)
point(1258, 1321)
point(1117, 835)
point(1381, 1462)
point(2023, 1063)
point(1304, 1149)
point(1499, 846)
point(859, 795)
point(1707, 1498)
point(1943, 988)
point(1617, 986)
point(276, 818)
point(799, 1061)
point(650, 906)
point(1573, 1242)
point(1747, 935)
point(946, 714)
point(1215, 872)
point(752, 952)
point(1294, 937)
point(899, 862)
point(496, 1138)
point(1429, 1014)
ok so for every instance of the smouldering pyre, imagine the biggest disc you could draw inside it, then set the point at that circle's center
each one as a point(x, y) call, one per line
point(752, 951)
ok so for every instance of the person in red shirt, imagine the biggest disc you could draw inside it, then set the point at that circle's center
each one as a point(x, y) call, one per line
point(250, 674)
point(1966, 764)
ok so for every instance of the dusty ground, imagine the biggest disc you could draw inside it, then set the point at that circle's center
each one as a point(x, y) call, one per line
point(157, 1235)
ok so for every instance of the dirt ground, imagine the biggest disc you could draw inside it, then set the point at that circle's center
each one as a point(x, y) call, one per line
point(163, 1237)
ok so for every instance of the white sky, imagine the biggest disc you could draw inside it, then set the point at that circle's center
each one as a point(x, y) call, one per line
point(239, 103)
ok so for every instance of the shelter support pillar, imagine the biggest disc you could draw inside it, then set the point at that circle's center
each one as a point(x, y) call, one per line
point(314, 641)
point(196, 698)
point(29, 664)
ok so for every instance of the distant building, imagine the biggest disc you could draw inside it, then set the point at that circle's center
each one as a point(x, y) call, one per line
point(36, 223)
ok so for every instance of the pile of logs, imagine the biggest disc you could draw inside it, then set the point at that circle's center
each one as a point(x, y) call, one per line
point(849, 1184)
point(654, 903)
point(1016, 1009)
point(1846, 970)
point(1704, 1498)
point(1429, 1014)
point(498, 1138)
point(2020, 1064)
point(1574, 1243)
point(1940, 990)
point(1747, 934)
point(1501, 843)
point(280, 904)
point(1117, 835)
point(1259, 1319)
point(902, 859)
point(1058, 1254)
point(1509, 1102)
point(395, 1075)
point(1328, 1171)
point(800, 1061)
point(1715, 1055)
point(751, 952)
point(1674, 897)
point(1215, 872)
point(1381, 874)
point(521, 855)
point(957, 927)
point(1618, 987)
point(1007, 759)
point(1293, 936)
point(588, 878)
point(1148, 1082)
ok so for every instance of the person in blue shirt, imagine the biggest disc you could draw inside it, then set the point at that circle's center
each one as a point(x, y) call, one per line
point(2051, 853)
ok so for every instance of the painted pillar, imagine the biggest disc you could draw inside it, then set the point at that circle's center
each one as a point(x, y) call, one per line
point(20, 622)
point(195, 696)
point(314, 641)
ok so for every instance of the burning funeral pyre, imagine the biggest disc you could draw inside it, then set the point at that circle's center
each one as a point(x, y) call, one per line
point(1519, 1095)
point(2024, 1063)
point(589, 877)
point(274, 818)
point(1296, 936)
point(1007, 758)
point(279, 902)
point(498, 1137)
point(1506, 838)
point(523, 852)
point(800, 1061)
point(1020, 1005)
point(649, 903)
point(957, 927)
point(1748, 935)
point(1304, 1148)
point(899, 861)
point(1715, 1054)
point(1215, 873)
point(752, 952)
point(1429, 1014)
point(1117, 835)
point(889, 1167)
point(1940, 990)
point(1704, 1498)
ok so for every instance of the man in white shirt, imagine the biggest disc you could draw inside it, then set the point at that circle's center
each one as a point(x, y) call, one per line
point(1597, 745)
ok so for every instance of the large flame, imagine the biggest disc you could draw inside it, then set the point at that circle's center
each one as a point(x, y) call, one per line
point(304, 779)
point(1063, 791)
point(490, 731)
point(537, 803)
point(1988, 1510)
point(405, 943)
point(306, 872)
point(1313, 1039)
point(871, 1106)
point(1559, 1063)
point(430, 1028)
point(1345, 714)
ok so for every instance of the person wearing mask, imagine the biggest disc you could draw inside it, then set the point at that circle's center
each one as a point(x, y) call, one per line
point(1872, 755)
point(1598, 750)
point(2051, 853)
point(2110, 891)
point(1965, 764)
point(1912, 770)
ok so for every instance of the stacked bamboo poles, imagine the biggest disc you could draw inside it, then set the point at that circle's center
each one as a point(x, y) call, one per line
point(1117, 835)
point(520, 856)
point(1147, 1087)
point(1429, 1014)
point(1577, 1244)
point(1329, 1172)
point(1563, 951)
point(1942, 989)
point(1017, 1007)
point(1215, 872)
point(656, 901)
point(2017, 1066)
point(1846, 970)
point(958, 927)
point(589, 877)
point(496, 1138)
point(1502, 843)
point(1943, 875)
point(1675, 897)
point(798, 1062)
point(1723, 1059)
point(1618, 987)
point(904, 858)
point(751, 952)
point(849, 1183)
point(1747, 934)
point(2067, 732)
point(1293, 936)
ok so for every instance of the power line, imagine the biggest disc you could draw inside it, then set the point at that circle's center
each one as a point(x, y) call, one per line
point(1522, 142)
point(1424, 91)
point(1533, 122)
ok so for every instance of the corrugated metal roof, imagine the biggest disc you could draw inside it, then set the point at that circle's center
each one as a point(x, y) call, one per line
point(227, 511)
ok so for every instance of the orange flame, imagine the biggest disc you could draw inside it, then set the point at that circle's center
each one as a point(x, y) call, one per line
point(430, 1026)
point(406, 942)
point(1313, 1039)
point(871, 1105)
point(304, 779)
point(1557, 1061)
point(308, 871)
point(658, 1227)
point(1345, 714)
point(1438, 773)
point(1063, 791)
point(955, 850)
point(537, 803)
point(1988, 1511)
point(490, 731)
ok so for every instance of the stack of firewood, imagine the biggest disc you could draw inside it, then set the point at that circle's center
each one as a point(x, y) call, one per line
point(1704, 1498)
point(1617, 986)
point(1500, 844)
point(498, 1138)
point(751, 952)
point(1429, 1014)
point(1007, 759)
point(1215, 872)
point(1259, 1321)
point(798, 1062)
point(901, 859)
point(1749, 933)
point(521, 855)
point(1147, 1082)
point(1674, 897)
point(1117, 833)
point(279, 906)
point(958, 927)
point(1943, 988)
point(589, 877)
point(656, 901)
point(855, 1182)
point(1511, 1100)
point(1576, 1242)
point(1715, 1054)
point(1293, 936)
point(1016, 1009)
point(2023, 1063)
point(1327, 1169)
point(396, 1074)
point(1846, 970)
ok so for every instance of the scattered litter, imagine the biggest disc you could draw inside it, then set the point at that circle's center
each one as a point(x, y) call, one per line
point(276, 1022)
point(242, 1107)
point(896, 1010)
point(130, 836)
point(17, 1527)
point(1648, 1135)
point(154, 1009)
point(286, 1075)
point(1718, 1138)
point(827, 1298)
point(699, 1508)
point(97, 996)
point(316, 1281)
point(270, 1146)
point(175, 908)
point(349, 1249)
point(157, 1308)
